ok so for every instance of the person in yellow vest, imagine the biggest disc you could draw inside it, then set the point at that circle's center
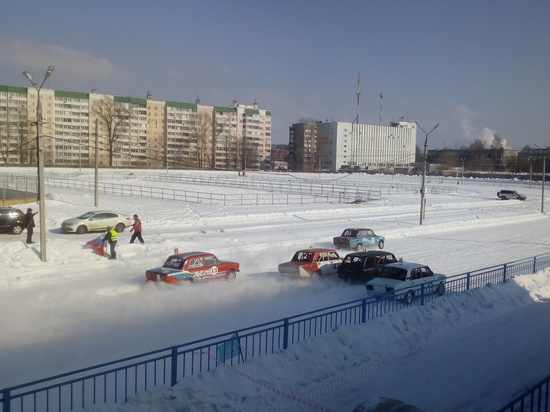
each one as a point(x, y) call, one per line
point(112, 238)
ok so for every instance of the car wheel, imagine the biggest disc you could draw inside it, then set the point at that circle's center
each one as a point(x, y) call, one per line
point(359, 247)
point(440, 289)
point(17, 229)
point(409, 297)
point(381, 244)
point(120, 227)
point(81, 230)
point(316, 275)
point(231, 275)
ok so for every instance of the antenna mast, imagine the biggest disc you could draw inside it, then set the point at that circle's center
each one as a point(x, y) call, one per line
point(358, 93)
point(381, 103)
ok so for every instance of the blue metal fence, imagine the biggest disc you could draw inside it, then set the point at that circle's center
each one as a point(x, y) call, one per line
point(115, 381)
point(536, 399)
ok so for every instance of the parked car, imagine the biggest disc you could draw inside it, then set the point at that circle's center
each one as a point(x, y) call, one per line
point(405, 280)
point(358, 239)
point(363, 266)
point(313, 262)
point(510, 194)
point(11, 220)
point(193, 267)
point(96, 221)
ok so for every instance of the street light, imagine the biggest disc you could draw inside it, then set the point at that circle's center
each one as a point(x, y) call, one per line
point(423, 188)
point(543, 176)
point(40, 147)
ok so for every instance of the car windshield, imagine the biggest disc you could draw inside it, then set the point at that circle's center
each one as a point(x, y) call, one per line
point(303, 256)
point(349, 233)
point(393, 273)
point(86, 215)
point(174, 262)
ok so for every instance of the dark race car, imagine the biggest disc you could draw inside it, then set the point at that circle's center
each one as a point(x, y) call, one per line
point(363, 266)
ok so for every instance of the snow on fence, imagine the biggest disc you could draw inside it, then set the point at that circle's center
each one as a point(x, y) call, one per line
point(200, 195)
point(276, 189)
point(115, 381)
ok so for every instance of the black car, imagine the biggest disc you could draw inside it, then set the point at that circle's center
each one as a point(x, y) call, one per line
point(11, 220)
point(363, 266)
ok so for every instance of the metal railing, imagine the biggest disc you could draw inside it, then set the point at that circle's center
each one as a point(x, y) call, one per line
point(211, 197)
point(536, 399)
point(115, 381)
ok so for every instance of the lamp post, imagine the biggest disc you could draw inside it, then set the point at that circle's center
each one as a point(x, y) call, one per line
point(543, 177)
point(530, 160)
point(423, 188)
point(40, 148)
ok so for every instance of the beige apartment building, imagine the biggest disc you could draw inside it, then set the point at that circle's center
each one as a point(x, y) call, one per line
point(131, 132)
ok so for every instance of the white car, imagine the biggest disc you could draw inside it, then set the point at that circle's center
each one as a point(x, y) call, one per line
point(96, 221)
point(405, 280)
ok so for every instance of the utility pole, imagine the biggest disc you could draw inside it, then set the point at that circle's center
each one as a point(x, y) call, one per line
point(40, 149)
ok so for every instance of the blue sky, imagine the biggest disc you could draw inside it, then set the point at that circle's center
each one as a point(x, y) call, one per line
point(476, 67)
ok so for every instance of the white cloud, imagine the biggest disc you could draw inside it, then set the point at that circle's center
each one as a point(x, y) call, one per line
point(74, 65)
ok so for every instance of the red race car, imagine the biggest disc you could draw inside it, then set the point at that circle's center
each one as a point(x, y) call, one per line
point(311, 262)
point(193, 267)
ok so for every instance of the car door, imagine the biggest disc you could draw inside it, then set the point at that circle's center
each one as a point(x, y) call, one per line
point(4, 220)
point(196, 267)
point(211, 267)
point(429, 280)
point(97, 222)
point(370, 237)
point(415, 280)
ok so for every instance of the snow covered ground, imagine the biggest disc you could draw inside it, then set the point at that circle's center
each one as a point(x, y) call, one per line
point(471, 352)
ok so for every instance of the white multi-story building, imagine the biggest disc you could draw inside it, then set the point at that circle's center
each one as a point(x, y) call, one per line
point(154, 133)
point(340, 145)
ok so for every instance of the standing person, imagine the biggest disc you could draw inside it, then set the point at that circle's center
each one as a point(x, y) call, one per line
point(29, 224)
point(112, 238)
point(136, 228)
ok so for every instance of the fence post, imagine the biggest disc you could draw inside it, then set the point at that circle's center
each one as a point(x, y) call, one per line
point(504, 274)
point(285, 334)
point(364, 310)
point(468, 281)
point(534, 265)
point(422, 294)
point(6, 400)
point(174, 371)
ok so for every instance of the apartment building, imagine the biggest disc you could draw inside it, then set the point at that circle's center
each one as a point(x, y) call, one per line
point(334, 146)
point(131, 132)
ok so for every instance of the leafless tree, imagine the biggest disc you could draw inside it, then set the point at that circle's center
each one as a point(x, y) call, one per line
point(115, 117)
point(227, 142)
point(203, 136)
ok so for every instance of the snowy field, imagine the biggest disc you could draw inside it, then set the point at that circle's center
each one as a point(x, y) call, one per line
point(471, 352)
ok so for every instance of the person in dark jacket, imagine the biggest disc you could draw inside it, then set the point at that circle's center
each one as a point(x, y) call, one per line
point(136, 228)
point(29, 224)
point(112, 238)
